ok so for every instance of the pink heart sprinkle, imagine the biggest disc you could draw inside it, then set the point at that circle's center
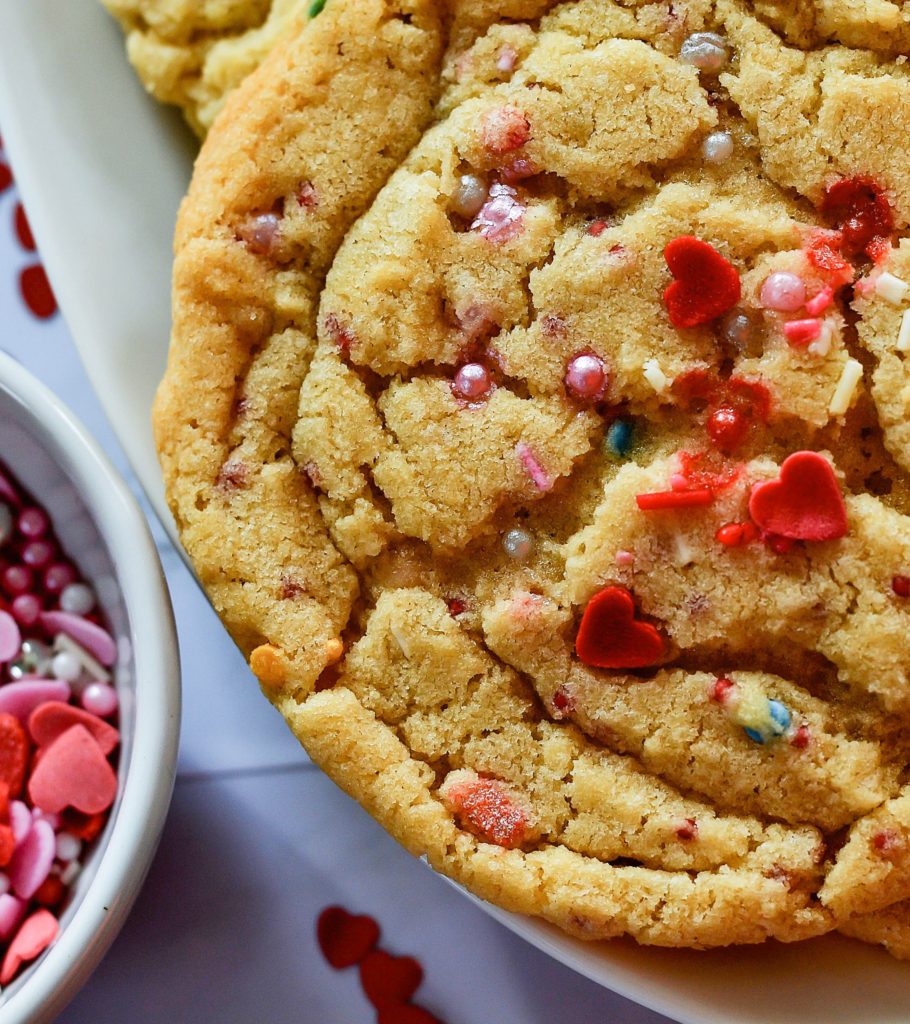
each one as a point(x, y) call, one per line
point(97, 641)
point(20, 699)
point(10, 637)
point(20, 819)
point(35, 935)
point(73, 772)
point(12, 910)
point(32, 860)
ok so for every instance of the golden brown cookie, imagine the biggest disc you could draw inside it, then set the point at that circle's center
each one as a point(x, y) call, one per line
point(534, 420)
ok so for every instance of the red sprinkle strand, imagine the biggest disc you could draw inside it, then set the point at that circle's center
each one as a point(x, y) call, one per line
point(659, 501)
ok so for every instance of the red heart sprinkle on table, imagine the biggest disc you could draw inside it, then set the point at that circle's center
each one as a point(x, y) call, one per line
point(345, 939)
point(73, 772)
point(611, 637)
point(389, 979)
point(35, 935)
point(6, 176)
point(36, 291)
point(706, 284)
point(406, 1014)
point(51, 719)
point(23, 229)
point(804, 503)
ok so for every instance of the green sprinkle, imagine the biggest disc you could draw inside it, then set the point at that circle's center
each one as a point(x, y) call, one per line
point(315, 7)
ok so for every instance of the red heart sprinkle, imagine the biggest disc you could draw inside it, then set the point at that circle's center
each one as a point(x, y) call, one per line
point(345, 939)
point(13, 753)
point(389, 979)
point(706, 284)
point(6, 176)
point(52, 718)
point(36, 291)
point(406, 1013)
point(73, 772)
point(23, 229)
point(33, 937)
point(804, 503)
point(610, 636)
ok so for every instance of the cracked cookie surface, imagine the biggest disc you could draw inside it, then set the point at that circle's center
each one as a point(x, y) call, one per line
point(534, 419)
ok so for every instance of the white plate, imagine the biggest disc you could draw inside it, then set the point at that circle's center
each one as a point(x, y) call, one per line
point(102, 170)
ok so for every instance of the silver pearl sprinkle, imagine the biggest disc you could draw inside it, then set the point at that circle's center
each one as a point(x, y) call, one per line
point(717, 147)
point(706, 51)
point(518, 544)
point(469, 196)
point(34, 659)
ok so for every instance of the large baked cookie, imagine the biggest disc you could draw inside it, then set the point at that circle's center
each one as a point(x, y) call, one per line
point(192, 53)
point(535, 420)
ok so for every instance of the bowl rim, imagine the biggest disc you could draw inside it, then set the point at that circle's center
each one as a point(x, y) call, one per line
point(149, 780)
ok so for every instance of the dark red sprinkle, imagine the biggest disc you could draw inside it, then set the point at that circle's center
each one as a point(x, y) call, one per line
point(721, 689)
point(456, 605)
point(23, 231)
point(36, 291)
point(344, 938)
point(6, 176)
point(341, 334)
point(861, 211)
point(597, 228)
point(800, 738)
point(688, 830)
point(889, 843)
point(307, 197)
point(388, 979)
point(901, 585)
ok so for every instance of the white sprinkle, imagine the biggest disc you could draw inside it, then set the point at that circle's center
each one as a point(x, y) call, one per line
point(68, 846)
point(70, 873)
point(655, 376)
point(822, 344)
point(903, 337)
point(94, 668)
point(892, 289)
point(846, 386)
point(685, 553)
point(402, 640)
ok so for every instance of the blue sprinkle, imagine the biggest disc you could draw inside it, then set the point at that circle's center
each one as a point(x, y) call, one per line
point(754, 735)
point(780, 716)
point(620, 438)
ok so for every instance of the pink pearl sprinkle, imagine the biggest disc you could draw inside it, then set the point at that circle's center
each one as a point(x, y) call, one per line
point(33, 523)
point(17, 579)
point(260, 233)
point(624, 558)
point(37, 554)
point(585, 375)
point(26, 608)
point(10, 637)
point(783, 291)
point(472, 380)
point(99, 699)
point(58, 576)
point(821, 301)
point(542, 479)
point(500, 217)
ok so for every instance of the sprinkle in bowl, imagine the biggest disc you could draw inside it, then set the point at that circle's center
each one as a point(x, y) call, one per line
point(84, 602)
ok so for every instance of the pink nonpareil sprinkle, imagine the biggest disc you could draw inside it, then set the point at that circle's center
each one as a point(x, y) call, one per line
point(500, 217)
point(820, 301)
point(542, 479)
point(624, 558)
point(505, 60)
point(678, 482)
point(97, 641)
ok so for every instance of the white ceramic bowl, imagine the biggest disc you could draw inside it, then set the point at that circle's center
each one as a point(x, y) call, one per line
point(102, 529)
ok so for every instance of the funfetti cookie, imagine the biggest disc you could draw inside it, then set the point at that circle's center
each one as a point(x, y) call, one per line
point(193, 54)
point(534, 419)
